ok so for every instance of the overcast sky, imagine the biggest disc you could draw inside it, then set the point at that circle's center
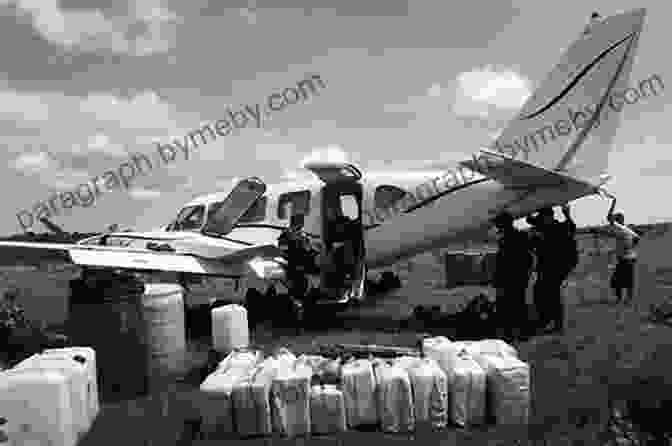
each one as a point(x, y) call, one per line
point(85, 83)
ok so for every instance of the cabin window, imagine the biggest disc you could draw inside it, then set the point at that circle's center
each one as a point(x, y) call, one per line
point(349, 207)
point(190, 218)
point(293, 202)
point(386, 196)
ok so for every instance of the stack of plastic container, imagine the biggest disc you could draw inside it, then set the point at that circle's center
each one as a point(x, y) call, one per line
point(77, 379)
point(50, 398)
point(327, 410)
point(36, 408)
point(215, 392)
point(457, 382)
point(508, 382)
point(430, 391)
point(87, 357)
point(290, 400)
point(359, 392)
point(230, 329)
point(394, 397)
point(251, 395)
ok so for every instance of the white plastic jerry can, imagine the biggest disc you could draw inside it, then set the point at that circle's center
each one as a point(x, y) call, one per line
point(230, 328)
point(77, 378)
point(87, 357)
point(35, 409)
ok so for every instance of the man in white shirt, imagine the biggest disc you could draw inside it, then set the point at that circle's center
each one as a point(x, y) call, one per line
point(626, 257)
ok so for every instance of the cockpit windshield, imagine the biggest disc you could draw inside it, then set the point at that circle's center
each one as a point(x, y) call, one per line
point(223, 215)
point(190, 218)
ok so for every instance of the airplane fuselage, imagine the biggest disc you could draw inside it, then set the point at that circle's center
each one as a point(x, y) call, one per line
point(438, 210)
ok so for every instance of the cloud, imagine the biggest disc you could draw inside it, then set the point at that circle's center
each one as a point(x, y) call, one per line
point(435, 99)
point(144, 193)
point(226, 183)
point(28, 119)
point(648, 158)
point(249, 14)
point(34, 163)
point(48, 170)
point(434, 91)
point(147, 28)
point(292, 175)
point(143, 111)
point(64, 179)
point(480, 92)
point(275, 151)
point(331, 153)
point(100, 142)
point(494, 134)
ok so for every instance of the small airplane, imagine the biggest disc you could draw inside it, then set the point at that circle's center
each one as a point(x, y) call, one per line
point(552, 153)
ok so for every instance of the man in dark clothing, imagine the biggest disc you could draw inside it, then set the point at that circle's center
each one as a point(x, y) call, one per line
point(512, 276)
point(555, 247)
point(299, 255)
point(16, 331)
point(296, 246)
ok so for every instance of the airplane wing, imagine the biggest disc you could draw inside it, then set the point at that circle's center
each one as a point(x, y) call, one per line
point(522, 176)
point(229, 262)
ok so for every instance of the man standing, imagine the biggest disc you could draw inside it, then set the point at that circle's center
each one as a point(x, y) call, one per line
point(557, 255)
point(16, 331)
point(512, 275)
point(626, 257)
point(294, 243)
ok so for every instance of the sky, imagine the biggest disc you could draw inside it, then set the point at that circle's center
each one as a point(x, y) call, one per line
point(408, 85)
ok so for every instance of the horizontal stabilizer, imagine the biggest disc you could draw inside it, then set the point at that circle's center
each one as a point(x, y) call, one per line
point(523, 176)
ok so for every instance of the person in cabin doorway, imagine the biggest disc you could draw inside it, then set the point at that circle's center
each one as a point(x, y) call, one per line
point(295, 244)
point(555, 246)
point(512, 276)
point(622, 279)
point(298, 253)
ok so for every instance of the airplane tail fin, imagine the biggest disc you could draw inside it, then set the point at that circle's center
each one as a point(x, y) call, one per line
point(578, 105)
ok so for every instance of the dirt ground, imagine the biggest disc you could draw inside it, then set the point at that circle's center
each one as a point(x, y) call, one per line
point(573, 376)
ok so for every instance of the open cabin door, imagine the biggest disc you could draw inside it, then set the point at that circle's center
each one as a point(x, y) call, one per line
point(332, 172)
point(342, 229)
point(223, 216)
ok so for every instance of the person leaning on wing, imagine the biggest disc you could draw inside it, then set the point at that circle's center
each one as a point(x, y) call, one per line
point(511, 279)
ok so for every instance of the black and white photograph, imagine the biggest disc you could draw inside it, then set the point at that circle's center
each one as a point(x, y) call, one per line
point(335, 222)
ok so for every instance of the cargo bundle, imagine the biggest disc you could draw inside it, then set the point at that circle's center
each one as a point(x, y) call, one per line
point(450, 384)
